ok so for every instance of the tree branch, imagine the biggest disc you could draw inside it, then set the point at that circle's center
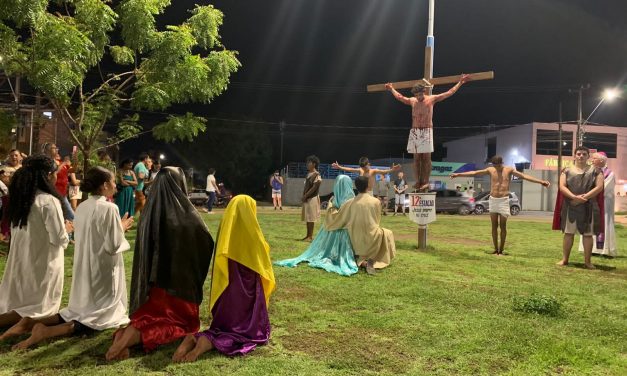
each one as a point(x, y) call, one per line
point(106, 83)
point(63, 111)
point(82, 116)
point(124, 139)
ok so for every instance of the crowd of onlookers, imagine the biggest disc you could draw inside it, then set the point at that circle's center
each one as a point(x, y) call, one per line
point(133, 182)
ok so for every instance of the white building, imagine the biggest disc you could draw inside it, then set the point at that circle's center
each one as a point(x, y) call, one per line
point(534, 147)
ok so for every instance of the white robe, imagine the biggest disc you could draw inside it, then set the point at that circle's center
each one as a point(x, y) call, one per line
point(32, 283)
point(98, 295)
point(361, 217)
point(609, 243)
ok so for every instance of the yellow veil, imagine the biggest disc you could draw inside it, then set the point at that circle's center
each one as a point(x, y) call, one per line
point(240, 239)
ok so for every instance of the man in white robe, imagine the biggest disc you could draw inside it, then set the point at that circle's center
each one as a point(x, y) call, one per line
point(605, 243)
point(32, 283)
point(373, 245)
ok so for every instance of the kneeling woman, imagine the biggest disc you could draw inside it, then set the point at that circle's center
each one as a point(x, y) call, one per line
point(33, 278)
point(241, 284)
point(98, 293)
point(172, 255)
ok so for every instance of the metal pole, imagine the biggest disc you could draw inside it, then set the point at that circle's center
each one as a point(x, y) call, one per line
point(579, 117)
point(559, 147)
point(282, 128)
point(30, 141)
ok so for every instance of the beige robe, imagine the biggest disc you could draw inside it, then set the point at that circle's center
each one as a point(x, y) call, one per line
point(361, 217)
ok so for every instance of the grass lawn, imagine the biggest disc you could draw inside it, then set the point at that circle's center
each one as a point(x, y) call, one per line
point(445, 311)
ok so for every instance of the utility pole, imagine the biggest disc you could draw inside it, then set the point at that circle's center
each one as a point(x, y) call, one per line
point(282, 129)
point(581, 131)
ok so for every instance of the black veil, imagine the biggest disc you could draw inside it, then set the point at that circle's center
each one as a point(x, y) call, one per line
point(173, 248)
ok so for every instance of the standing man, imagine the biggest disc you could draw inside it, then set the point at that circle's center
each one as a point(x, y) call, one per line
point(276, 182)
point(141, 172)
point(500, 176)
point(311, 201)
point(365, 170)
point(381, 192)
point(211, 189)
point(605, 243)
point(420, 141)
point(400, 186)
point(578, 209)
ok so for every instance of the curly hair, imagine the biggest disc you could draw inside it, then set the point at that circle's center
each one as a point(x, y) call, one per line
point(33, 176)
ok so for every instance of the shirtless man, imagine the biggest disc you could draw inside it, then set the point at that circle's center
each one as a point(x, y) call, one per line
point(420, 142)
point(365, 170)
point(500, 176)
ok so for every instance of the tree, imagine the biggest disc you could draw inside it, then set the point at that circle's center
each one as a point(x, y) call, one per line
point(241, 153)
point(59, 46)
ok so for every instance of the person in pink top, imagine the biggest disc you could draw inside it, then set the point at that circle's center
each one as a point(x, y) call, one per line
point(420, 141)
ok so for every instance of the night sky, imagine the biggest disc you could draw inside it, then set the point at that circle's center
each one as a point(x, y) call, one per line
point(307, 63)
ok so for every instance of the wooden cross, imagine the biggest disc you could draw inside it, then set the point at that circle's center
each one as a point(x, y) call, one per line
point(428, 71)
point(428, 76)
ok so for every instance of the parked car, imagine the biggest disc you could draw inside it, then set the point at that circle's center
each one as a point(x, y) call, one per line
point(482, 203)
point(198, 197)
point(448, 200)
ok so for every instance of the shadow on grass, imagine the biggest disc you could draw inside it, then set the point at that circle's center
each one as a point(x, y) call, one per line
point(581, 265)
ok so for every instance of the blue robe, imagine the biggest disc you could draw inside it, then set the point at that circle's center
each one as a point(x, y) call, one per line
point(331, 250)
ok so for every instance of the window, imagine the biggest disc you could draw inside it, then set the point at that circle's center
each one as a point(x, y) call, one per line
point(605, 142)
point(547, 142)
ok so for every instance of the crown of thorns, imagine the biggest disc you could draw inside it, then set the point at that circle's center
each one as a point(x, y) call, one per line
point(420, 86)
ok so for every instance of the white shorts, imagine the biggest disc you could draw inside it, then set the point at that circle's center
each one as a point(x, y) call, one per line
point(399, 199)
point(74, 192)
point(420, 141)
point(276, 193)
point(500, 205)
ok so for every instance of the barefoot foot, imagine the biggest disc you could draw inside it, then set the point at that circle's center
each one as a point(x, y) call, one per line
point(589, 266)
point(562, 263)
point(202, 346)
point(38, 334)
point(184, 348)
point(23, 326)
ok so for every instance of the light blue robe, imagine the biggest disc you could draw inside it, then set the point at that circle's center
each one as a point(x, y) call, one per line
point(331, 250)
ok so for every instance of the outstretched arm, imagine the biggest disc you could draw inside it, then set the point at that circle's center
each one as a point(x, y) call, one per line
point(545, 183)
point(399, 97)
point(440, 97)
point(470, 173)
point(395, 167)
point(347, 169)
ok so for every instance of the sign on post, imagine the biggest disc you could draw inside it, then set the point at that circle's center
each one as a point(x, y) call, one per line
point(422, 208)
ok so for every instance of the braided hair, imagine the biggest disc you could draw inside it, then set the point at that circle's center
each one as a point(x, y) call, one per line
point(33, 176)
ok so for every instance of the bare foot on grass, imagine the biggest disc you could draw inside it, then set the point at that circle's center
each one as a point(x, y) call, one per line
point(38, 334)
point(184, 348)
point(562, 263)
point(122, 340)
point(202, 346)
point(23, 326)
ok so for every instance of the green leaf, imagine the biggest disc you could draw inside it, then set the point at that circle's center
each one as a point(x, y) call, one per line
point(204, 24)
point(183, 128)
point(122, 55)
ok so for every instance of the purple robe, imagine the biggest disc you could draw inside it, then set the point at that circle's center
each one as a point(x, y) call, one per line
point(240, 316)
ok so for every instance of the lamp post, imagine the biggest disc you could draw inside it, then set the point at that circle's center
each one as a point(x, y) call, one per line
point(608, 95)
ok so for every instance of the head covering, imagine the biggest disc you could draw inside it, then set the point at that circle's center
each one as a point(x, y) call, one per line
point(421, 86)
point(342, 190)
point(241, 240)
point(173, 247)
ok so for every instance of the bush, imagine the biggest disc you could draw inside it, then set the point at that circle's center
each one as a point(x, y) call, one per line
point(538, 304)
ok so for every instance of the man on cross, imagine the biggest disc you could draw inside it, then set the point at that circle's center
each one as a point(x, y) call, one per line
point(420, 141)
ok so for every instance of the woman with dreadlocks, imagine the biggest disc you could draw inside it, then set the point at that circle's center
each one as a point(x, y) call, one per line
point(33, 278)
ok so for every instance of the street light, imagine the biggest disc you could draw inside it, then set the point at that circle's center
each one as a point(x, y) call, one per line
point(608, 95)
point(162, 157)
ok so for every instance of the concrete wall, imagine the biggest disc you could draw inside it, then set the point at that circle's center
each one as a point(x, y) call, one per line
point(513, 144)
point(293, 190)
